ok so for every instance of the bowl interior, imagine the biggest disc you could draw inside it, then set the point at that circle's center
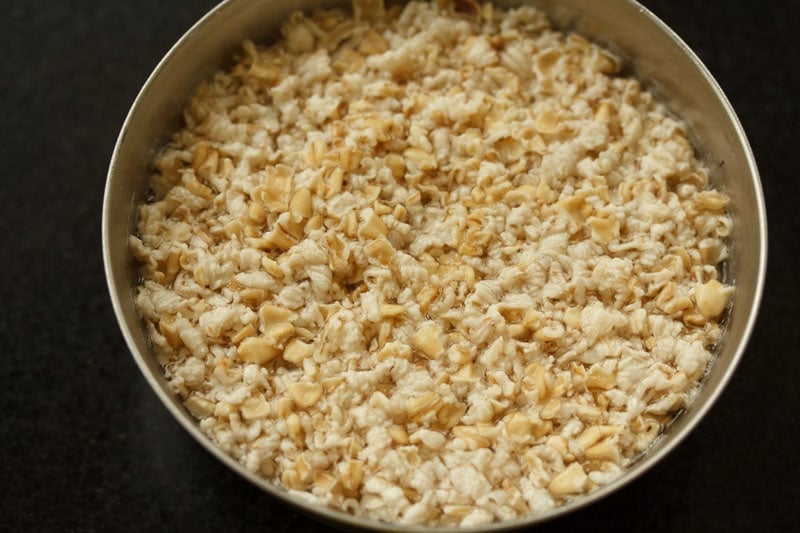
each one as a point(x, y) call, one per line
point(652, 52)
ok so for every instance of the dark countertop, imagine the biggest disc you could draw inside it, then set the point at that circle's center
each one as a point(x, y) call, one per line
point(85, 444)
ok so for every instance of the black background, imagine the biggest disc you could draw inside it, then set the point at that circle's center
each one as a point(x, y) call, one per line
point(85, 444)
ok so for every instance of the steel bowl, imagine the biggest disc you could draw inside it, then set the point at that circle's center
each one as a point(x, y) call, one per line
point(651, 51)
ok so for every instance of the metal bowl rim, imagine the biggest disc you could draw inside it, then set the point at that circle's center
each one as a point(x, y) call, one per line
point(334, 516)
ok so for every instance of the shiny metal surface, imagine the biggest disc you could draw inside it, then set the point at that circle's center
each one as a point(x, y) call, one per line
point(653, 52)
